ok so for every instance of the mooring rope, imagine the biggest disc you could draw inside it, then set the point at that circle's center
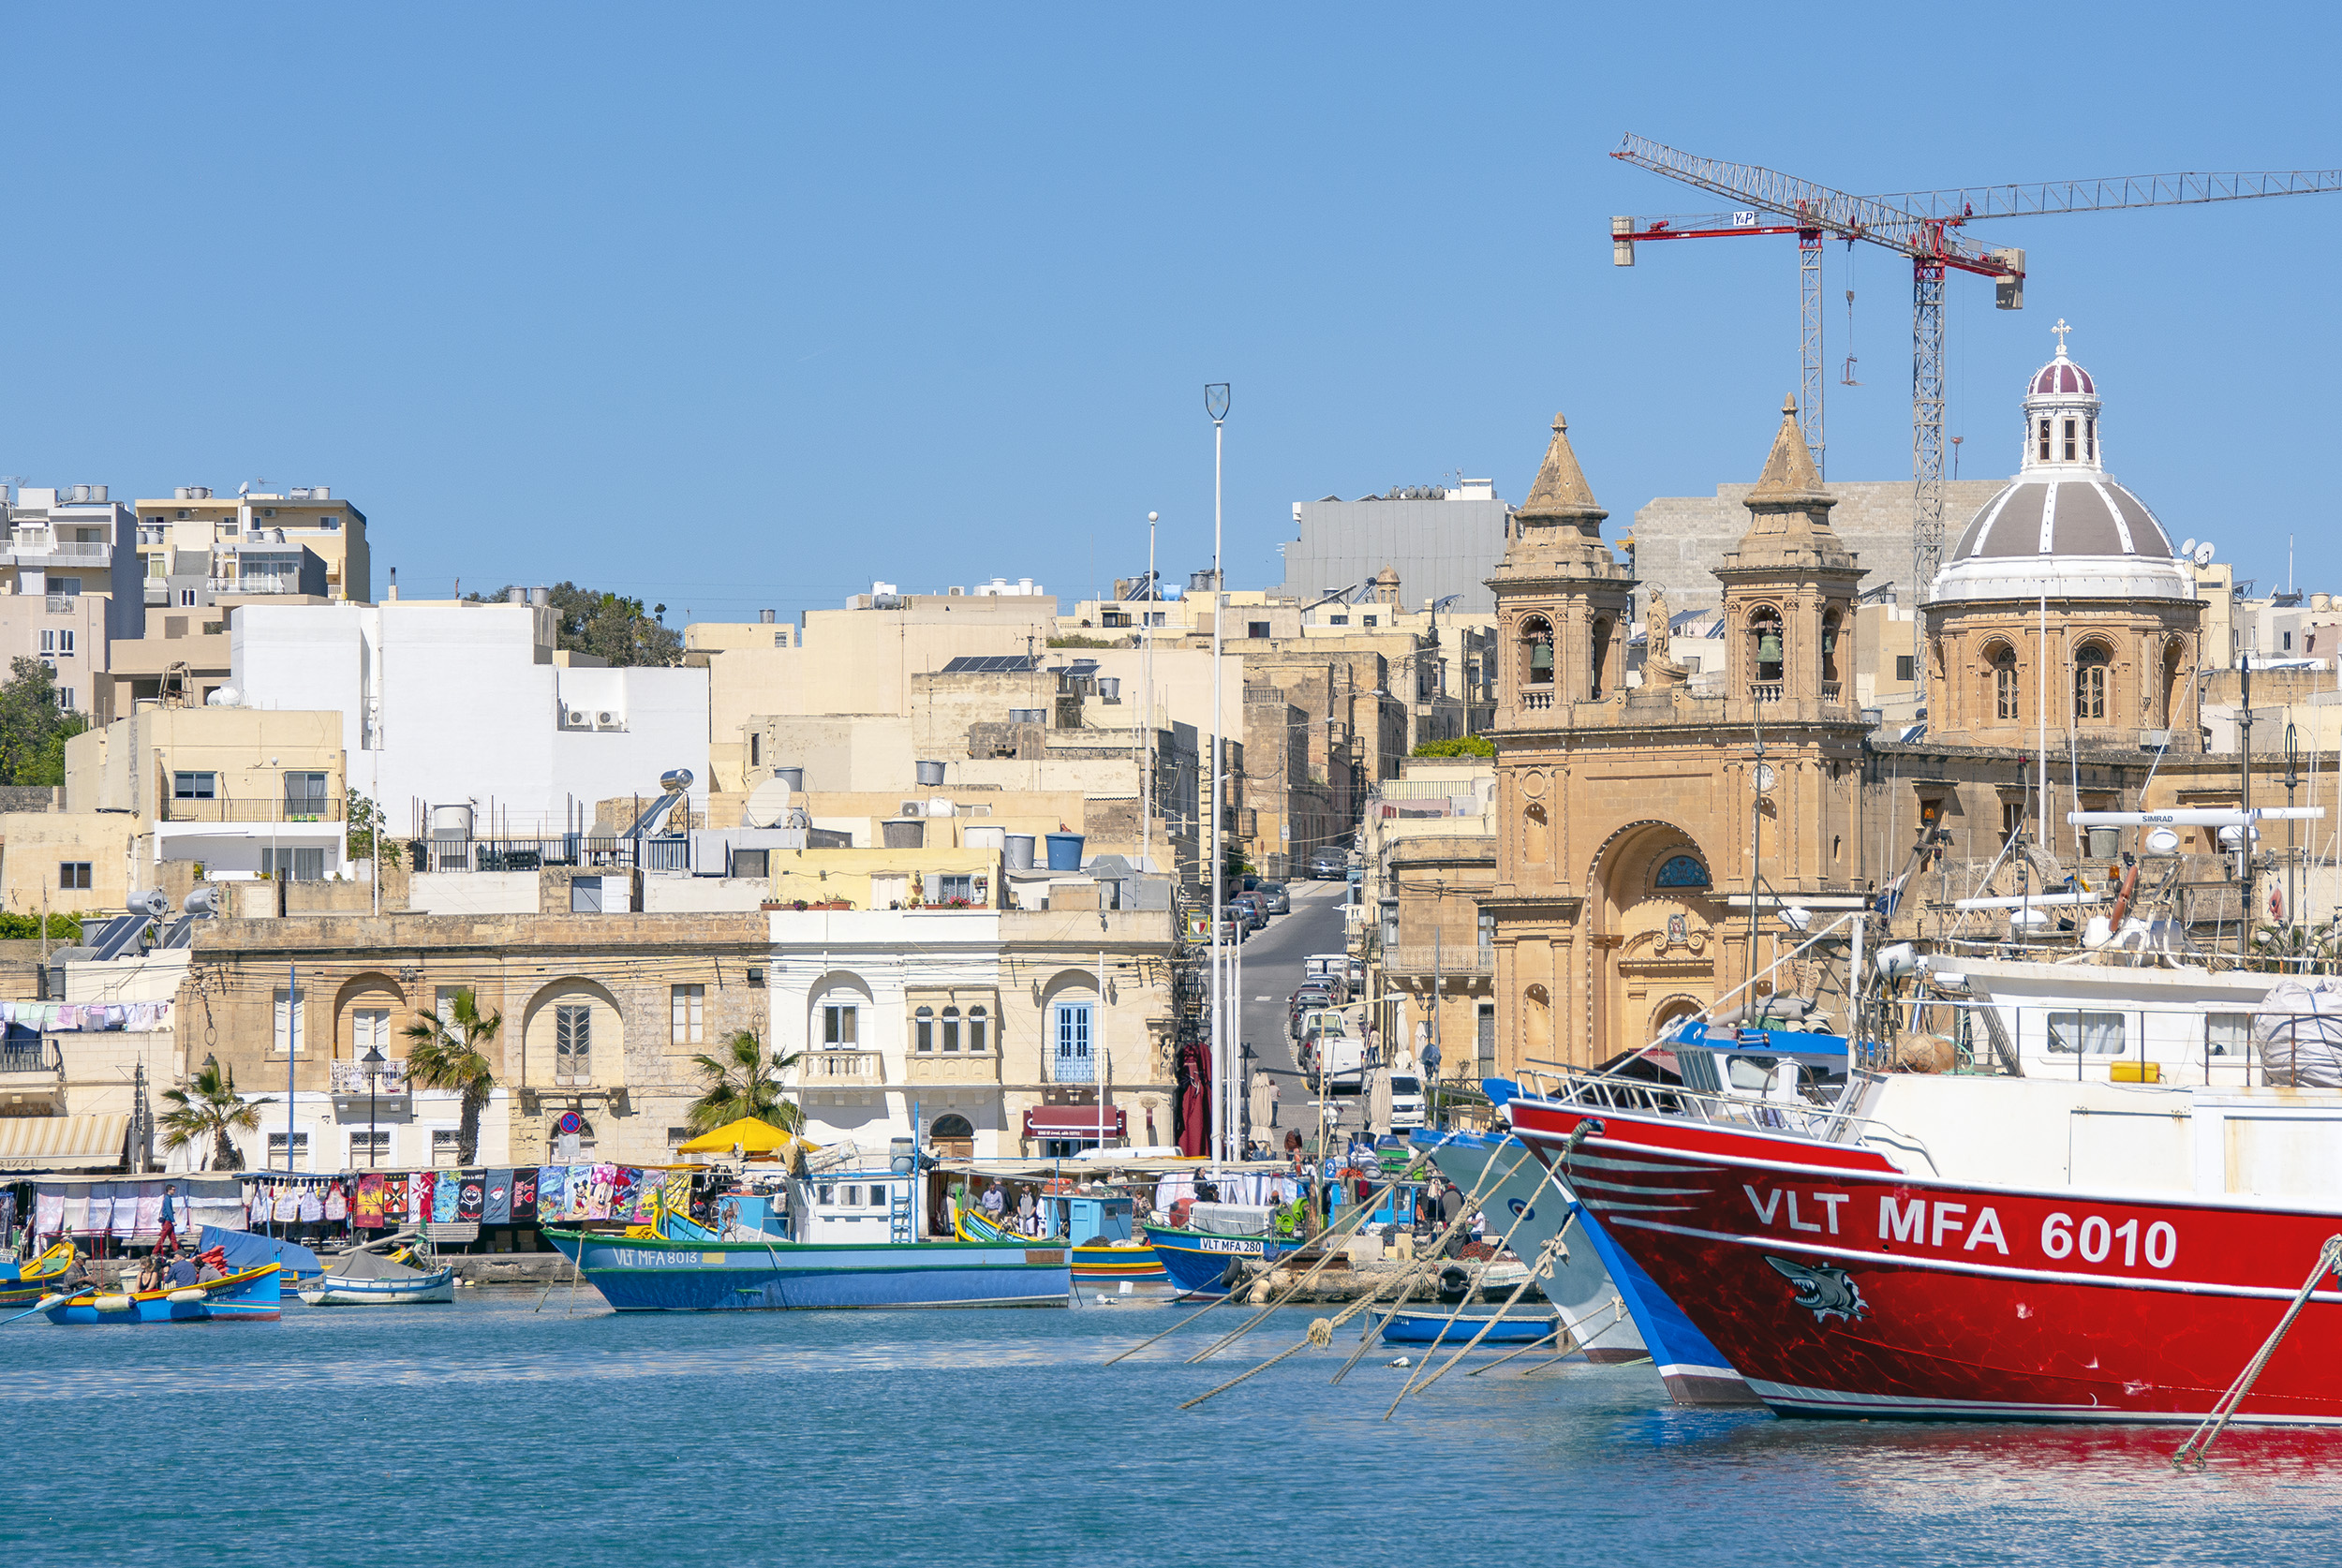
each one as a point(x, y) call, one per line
point(2209, 1430)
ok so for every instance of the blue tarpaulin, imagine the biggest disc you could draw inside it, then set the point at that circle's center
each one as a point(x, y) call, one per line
point(248, 1249)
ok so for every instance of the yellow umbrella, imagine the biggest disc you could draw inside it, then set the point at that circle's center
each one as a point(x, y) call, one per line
point(750, 1135)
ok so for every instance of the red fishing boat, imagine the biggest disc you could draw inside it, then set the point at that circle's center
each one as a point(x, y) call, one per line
point(1977, 1248)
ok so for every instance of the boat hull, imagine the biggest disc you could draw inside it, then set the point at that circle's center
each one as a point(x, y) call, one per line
point(1197, 1261)
point(642, 1275)
point(431, 1289)
point(1408, 1327)
point(253, 1296)
point(1597, 1309)
point(1839, 1285)
point(1103, 1266)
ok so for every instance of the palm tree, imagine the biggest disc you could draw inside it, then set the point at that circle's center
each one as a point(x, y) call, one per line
point(210, 1107)
point(740, 1083)
point(451, 1053)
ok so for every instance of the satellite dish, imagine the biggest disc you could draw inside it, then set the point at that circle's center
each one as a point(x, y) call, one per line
point(767, 805)
point(2203, 553)
point(2188, 548)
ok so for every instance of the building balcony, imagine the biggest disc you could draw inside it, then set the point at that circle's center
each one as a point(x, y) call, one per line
point(928, 1067)
point(842, 1069)
point(256, 582)
point(31, 1080)
point(305, 810)
point(1831, 690)
point(1463, 962)
point(63, 604)
point(350, 1078)
point(40, 549)
point(1537, 702)
point(1764, 691)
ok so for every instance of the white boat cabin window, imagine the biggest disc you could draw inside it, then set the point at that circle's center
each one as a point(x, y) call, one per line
point(2092, 1034)
point(2228, 1034)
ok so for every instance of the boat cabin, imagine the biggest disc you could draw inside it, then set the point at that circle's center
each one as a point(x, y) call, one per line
point(1087, 1218)
point(2120, 1022)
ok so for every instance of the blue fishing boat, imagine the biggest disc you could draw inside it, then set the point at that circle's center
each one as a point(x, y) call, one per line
point(652, 1274)
point(1196, 1261)
point(1108, 1254)
point(1411, 1325)
point(251, 1295)
point(22, 1284)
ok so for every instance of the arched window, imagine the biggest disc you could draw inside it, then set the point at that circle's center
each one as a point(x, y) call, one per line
point(2003, 659)
point(2072, 445)
point(979, 1024)
point(1536, 644)
point(2090, 438)
point(1601, 658)
point(1830, 623)
point(951, 1028)
point(1767, 651)
point(2172, 654)
point(1680, 871)
point(2090, 662)
point(923, 1029)
point(2044, 448)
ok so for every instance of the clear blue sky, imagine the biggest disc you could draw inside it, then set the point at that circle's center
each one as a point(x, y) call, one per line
point(745, 307)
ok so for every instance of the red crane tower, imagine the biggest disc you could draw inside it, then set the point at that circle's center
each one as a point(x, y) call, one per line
point(1924, 227)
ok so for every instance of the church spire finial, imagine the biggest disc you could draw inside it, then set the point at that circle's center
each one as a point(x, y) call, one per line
point(2061, 330)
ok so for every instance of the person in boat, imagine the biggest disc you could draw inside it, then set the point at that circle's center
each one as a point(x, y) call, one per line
point(181, 1272)
point(994, 1203)
point(1451, 1203)
point(1028, 1213)
point(75, 1278)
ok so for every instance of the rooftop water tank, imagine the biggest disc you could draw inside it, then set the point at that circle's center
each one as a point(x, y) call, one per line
point(793, 778)
point(1065, 852)
point(1017, 847)
point(903, 833)
point(451, 822)
point(930, 774)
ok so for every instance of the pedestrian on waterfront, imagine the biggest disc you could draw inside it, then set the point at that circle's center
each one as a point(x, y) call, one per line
point(168, 1237)
point(993, 1203)
point(1275, 1094)
point(1451, 1206)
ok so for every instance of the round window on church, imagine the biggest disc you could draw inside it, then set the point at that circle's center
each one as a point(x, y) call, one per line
point(1681, 871)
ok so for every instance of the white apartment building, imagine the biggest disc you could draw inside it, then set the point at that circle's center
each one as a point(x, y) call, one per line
point(450, 703)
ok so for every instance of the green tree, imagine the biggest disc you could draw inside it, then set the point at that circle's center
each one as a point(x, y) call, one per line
point(210, 1108)
point(451, 1053)
point(740, 1082)
point(27, 927)
point(1462, 746)
point(366, 820)
point(32, 729)
point(608, 627)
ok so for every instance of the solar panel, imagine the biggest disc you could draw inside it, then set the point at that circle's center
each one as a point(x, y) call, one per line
point(992, 664)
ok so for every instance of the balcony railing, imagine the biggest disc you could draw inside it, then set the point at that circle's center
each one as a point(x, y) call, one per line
point(536, 854)
point(350, 1078)
point(1536, 701)
point(33, 1057)
point(87, 551)
point(1466, 961)
point(848, 1068)
point(64, 604)
point(307, 808)
point(1764, 691)
point(256, 582)
point(930, 1067)
point(1830, 691)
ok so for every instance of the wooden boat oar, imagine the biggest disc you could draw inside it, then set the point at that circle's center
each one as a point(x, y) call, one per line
point(41, 1306)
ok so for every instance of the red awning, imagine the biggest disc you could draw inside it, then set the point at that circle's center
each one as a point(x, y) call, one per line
point(1074, 1121)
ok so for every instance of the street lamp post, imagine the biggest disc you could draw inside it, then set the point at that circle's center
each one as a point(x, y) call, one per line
point(373, 1061)
point(1224, 1063)
point(2292, 858)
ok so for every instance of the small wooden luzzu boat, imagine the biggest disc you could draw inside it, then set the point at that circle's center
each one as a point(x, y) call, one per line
point(370, 1279)
point(253, 1294)
point(28, 1283)
point(1410, 1326)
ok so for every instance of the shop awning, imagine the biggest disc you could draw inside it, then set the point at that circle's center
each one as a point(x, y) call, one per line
point(63, 1143)
point(1074, 1121)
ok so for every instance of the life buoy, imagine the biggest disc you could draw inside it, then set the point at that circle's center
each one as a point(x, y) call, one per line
point(2122, 892)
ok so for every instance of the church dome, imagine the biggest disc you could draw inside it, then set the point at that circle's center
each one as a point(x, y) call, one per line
point(2062, 528)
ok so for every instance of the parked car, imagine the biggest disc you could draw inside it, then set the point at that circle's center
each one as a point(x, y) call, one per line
point(1256, 909)
point(1280, 901)
point(1328, 865)
point(1234, 924)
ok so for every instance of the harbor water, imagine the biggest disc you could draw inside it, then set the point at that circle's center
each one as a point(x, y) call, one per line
point(446, 1434)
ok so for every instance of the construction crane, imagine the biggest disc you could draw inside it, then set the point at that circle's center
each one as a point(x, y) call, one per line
point(1922, 226)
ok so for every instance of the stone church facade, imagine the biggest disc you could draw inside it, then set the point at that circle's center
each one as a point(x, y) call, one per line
point(1649, 839)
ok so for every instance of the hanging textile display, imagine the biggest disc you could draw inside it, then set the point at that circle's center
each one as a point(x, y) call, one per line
point(598, 1199)
point(497, 1210)
point(48, 1212)
point(373, 1194)
point(578, 1206)
point(419, 1197)
point(471, 1195)
point(624, 1189)
point(446, 1194)
point(261, 1200)
point(553, 1192)
point(524, 1194)
point(336, 1204)
point(150, 1215)
point(97, 1212)
point(677, 1196)
point(312, 1205)
point(286, 1210)
point(644, 1207)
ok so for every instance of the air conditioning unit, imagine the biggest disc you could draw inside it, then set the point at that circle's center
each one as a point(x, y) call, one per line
point(606, 719)
point(913, 808)
point(576, 718)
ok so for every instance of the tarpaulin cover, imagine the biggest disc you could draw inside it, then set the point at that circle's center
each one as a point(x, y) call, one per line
point(250, 1249)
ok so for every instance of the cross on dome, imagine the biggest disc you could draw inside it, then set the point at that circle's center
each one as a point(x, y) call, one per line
point(2061, 330)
